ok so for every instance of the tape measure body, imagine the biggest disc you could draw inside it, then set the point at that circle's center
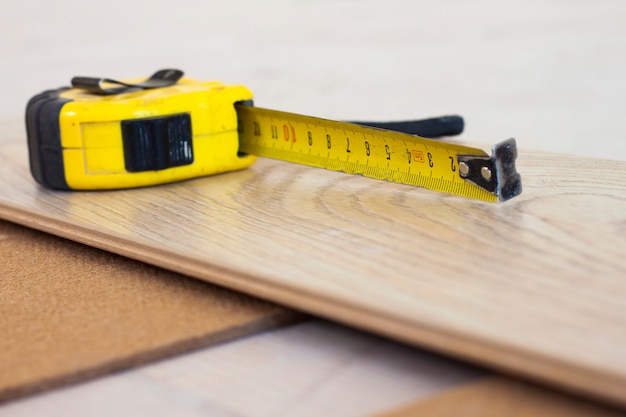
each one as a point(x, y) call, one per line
point(355, 149)
point(82, 141)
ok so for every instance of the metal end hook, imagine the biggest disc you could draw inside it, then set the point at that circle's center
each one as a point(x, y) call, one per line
point(509, 181)
point(496, 174)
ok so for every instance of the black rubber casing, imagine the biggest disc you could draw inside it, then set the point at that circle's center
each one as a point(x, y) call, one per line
point(44, 138)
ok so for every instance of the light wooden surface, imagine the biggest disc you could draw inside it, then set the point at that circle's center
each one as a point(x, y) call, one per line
point(310, 369)
point(534, 286)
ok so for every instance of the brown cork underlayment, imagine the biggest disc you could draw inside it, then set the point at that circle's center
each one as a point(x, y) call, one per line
point(70, 312)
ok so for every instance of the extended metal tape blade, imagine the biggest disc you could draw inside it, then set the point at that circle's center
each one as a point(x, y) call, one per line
point(380, 154)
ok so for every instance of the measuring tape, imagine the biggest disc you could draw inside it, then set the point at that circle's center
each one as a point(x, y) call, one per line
point(107, 134)
point(380, 154)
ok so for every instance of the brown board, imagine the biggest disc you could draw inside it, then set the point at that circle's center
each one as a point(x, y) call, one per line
point(70, 312)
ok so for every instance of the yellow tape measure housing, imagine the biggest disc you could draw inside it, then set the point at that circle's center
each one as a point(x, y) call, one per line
point(84, 141)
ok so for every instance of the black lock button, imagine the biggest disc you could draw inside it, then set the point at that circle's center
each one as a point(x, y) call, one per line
point(157, 143)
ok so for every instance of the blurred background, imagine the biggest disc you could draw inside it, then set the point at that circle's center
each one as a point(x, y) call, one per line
point(549, 73)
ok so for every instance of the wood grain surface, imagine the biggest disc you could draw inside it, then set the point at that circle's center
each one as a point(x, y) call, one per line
point(533, 287)
point(70, 313)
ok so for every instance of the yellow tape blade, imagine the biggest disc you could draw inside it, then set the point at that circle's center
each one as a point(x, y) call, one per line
point(355, 149)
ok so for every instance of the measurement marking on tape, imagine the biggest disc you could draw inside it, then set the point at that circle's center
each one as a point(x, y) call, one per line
point(380, 154)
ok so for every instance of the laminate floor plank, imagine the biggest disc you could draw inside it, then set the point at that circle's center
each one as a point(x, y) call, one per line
point(533, 286)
